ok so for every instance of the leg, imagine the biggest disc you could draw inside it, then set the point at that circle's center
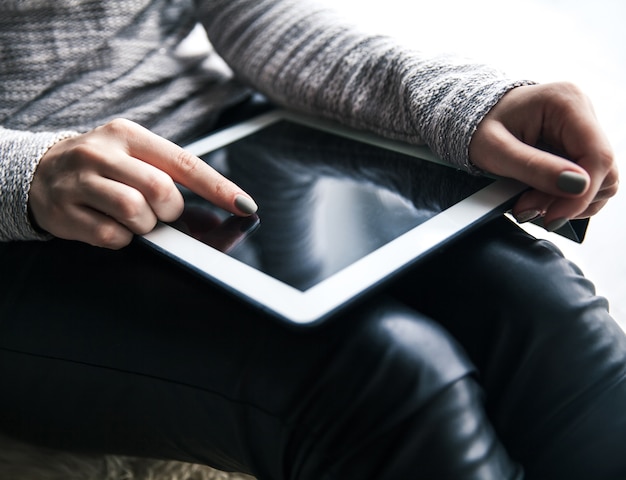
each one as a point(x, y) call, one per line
point(551, 359)
point(117, 352)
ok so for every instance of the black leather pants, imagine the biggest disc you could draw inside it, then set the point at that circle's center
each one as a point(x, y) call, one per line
point(492, 360)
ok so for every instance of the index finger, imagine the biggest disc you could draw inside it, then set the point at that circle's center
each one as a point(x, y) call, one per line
point(186, 169)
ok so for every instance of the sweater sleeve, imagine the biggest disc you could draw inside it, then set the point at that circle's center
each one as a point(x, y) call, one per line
point(20, 153)
point(306, 58)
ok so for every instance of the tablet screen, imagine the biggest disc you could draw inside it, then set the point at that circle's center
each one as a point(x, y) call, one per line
point(325, 201)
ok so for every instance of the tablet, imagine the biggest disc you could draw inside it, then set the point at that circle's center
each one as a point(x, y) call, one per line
point(340, 212)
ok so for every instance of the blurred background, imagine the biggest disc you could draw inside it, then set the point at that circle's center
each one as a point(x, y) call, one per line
point(543, 40)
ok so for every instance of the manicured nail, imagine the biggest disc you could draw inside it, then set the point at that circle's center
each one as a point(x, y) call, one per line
point(527, 215)
point(556, 224)
point(572, 182)
point(245, 204)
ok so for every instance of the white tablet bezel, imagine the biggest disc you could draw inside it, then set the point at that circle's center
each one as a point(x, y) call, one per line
point(318, 302)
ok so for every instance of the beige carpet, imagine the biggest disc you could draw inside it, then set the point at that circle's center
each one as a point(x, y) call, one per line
point(19, 461)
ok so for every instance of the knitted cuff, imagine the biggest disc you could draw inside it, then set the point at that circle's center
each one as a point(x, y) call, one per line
point(20, 153)
point(470, 102)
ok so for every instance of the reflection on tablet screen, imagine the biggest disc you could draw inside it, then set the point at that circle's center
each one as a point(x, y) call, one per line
point(325, 201)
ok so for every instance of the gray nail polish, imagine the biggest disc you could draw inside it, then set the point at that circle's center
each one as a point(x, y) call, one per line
point(572, 182)
point(556, 224)
point(245, 204)
point(527, 215)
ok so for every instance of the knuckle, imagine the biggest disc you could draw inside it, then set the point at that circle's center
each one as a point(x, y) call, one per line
point(158, 186)
point(593, 209)
point(606, 160)
point(567, 98)
point(163, 196)
point(612, 189)
point(532, 163)
point(572, 88)
point(109, 235)
point(186, 163)
point(146, 226)
point(221, 187)
point(118, 126)
point(568, 90)
point(177, 205)
point(614, 176)
point(173, 208)
point(130, 205)
point(85, 152)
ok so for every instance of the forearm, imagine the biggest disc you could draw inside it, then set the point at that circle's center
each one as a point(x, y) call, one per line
point(308, 59)
point(20, 153)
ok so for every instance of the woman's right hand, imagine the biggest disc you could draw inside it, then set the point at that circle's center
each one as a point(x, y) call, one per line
point(106, 185)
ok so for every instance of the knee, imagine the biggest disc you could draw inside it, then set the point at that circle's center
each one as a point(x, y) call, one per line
point(510, 272)
point(389, 359)
point(397, 342)
point(399, 385)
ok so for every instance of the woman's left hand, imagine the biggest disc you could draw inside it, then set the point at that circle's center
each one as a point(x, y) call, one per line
point(547, 136)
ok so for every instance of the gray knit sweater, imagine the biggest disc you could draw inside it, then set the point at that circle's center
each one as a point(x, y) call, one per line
point(69, 65)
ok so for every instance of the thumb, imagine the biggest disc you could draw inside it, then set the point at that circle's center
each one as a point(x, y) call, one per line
point(550, 176)
point(505, 155)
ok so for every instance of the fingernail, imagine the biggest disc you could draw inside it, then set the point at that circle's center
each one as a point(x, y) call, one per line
point(245, 204)
point(572, 182)
point(556, 224)
point(527, 215)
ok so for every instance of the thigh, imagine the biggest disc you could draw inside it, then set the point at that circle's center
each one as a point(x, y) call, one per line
point(550, 357)
point(122, 352)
